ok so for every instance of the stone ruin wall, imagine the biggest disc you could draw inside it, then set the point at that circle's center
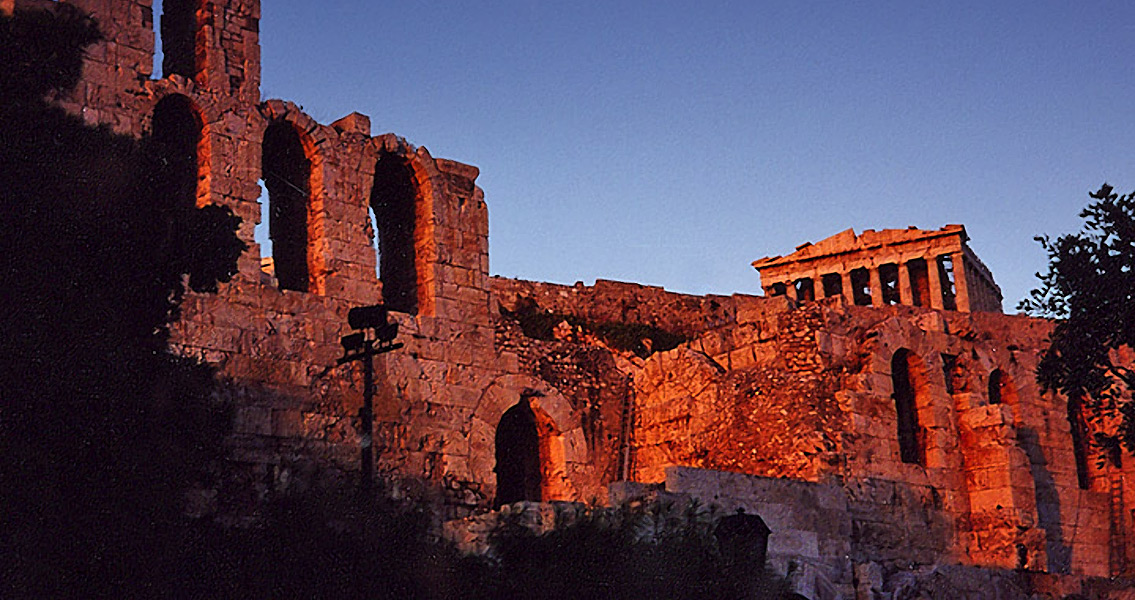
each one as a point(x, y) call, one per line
point(778, 389)
point(761, 386)
point(809, 396)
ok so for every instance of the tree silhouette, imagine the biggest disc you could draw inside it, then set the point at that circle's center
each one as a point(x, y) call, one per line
point(102, 429)
point(1089, 289)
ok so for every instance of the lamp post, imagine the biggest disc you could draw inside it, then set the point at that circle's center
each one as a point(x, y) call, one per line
point(373, 335)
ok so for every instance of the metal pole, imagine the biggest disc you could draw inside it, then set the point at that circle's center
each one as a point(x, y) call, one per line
point(366, 415)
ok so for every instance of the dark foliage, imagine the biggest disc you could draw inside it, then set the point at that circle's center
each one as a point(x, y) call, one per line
point(643, 340)
point(1089, 289)
point(102, 429)
point(322, 544)
point(626, 552)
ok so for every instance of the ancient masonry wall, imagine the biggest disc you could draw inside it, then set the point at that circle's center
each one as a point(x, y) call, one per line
point(809, 393)
point(761, 386)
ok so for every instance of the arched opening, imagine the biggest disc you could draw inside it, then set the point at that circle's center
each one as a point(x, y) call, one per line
point(176, 137)
point(394, 202)
point(287, 177)
point(908, 378)
point(743, 539)
point(1001, 388)
point(179, 28)
point(518, 466)
point(778, 289)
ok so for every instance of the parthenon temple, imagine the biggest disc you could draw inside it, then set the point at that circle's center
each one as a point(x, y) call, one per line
point(909, 266)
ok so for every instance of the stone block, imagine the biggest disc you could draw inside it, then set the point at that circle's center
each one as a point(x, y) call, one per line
point(353, 123)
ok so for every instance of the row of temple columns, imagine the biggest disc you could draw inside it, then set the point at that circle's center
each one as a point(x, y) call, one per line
point(931, 285)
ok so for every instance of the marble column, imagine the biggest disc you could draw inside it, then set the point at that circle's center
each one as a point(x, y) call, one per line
point(876, 287)
point(961, 285)
point(905, 296)
point(848, 293)
point(932, 274)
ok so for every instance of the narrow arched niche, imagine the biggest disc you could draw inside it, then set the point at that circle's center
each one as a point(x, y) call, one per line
point(176, 135)
point(287, 177)
point(1001, 388)
point(908, 378)
point(393, 199)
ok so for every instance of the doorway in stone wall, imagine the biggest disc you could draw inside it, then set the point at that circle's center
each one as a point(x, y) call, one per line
point(518, 467)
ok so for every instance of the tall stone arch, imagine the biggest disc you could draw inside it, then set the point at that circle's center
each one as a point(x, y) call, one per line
point(183, 92)
point(405, 193)
point(308, 258)
point(177, 137)
point(910, 386)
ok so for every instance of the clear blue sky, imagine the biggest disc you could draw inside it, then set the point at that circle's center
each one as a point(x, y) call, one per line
point(672, 143)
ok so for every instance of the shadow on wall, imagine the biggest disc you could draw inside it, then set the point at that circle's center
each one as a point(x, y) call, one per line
point(1047, 503)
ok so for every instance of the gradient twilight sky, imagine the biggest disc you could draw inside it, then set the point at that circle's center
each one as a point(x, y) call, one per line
point(673, 143)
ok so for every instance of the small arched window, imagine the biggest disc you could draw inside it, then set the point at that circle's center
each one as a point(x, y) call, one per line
point(1001, 388)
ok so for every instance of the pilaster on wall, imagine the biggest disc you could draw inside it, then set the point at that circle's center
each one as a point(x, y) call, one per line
point(462, 270)
point(1001, 491)
point(230, 30)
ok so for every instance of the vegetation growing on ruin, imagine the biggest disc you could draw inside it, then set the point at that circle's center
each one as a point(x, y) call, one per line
point(643, 340)
point(1088, 288)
